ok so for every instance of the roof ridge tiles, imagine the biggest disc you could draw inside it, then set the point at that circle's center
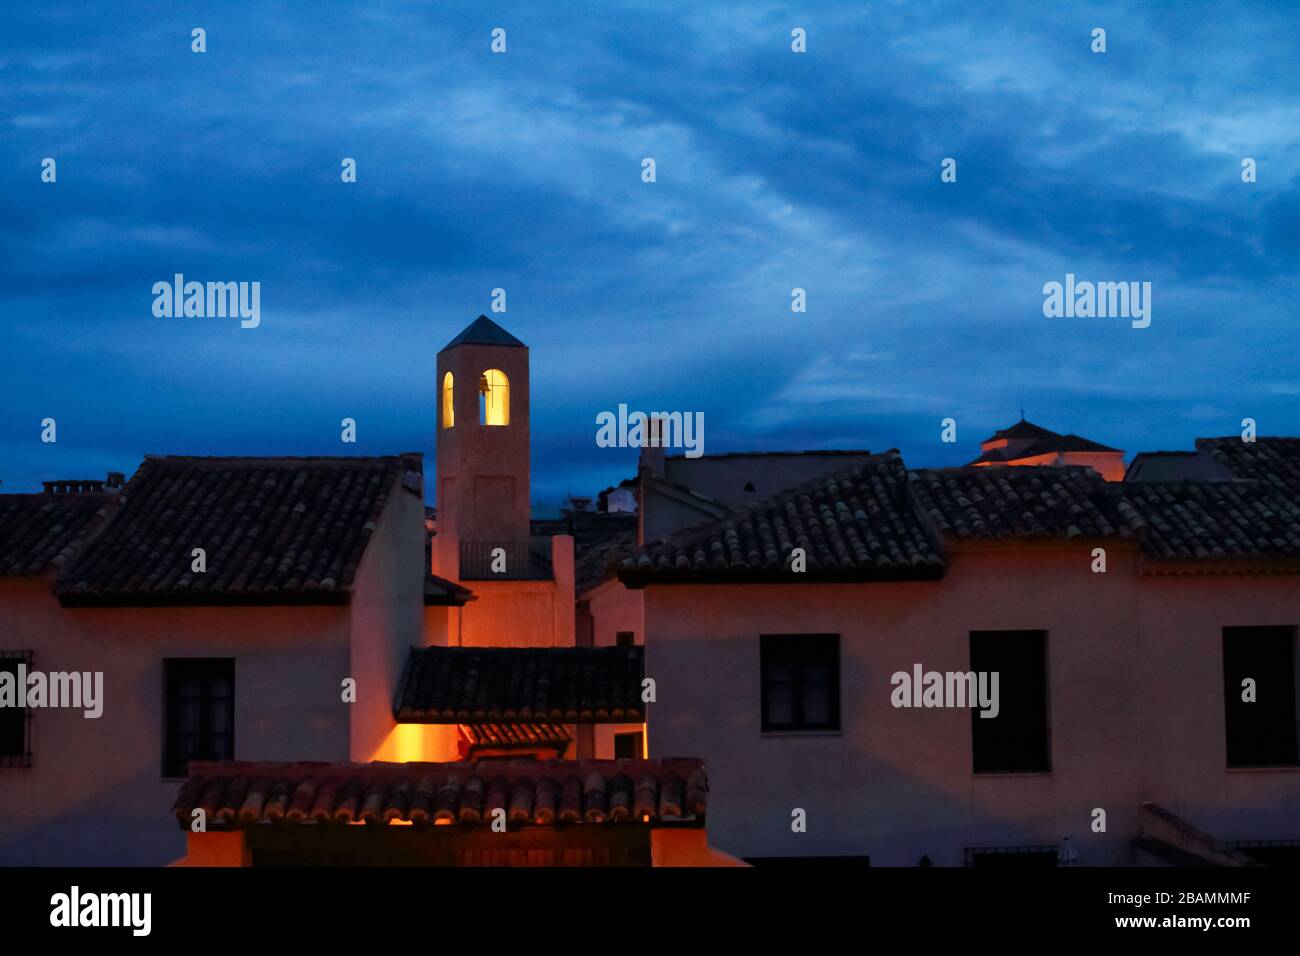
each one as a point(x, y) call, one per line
point(627, 791)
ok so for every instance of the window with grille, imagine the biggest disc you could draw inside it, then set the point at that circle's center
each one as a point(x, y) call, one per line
point(15, 722)
point(800, 681)
point(199, 702)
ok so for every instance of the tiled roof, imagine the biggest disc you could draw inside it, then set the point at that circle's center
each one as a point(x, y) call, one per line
point(1251, 523)
point(1200, 524)
point(599, 560)
point(516, 737)
point(236, 794)
point(1057, 444)
point(599, 539)
point(1215, 521)
point(1230, 505)
point(470, 685)
point(483, 331)
point(1274, 462)
point(439, 591)
point(854, 524)
point(1022, 429)
point(1061, 502)
point(38, 532)
point(274, 530)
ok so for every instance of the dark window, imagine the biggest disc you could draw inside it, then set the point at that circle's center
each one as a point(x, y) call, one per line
point(1012, 856)
point(801, 681)
point(15, 722)
point(1261, 733)
point(628, 746)
point(1016, 740)
point(626, 639)
point(199, 702)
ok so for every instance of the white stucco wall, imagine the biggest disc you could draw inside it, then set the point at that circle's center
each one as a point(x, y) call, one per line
point(1184, 749)
point(1135, 700)
point(96, 795)
point(387, 619)
point(616, 608)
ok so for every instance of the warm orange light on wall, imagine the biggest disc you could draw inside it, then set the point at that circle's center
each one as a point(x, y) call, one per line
point(418, 743)
point(404, 744)
point(448, 405)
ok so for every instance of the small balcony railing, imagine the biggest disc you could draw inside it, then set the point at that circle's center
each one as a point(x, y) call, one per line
point(506, 561)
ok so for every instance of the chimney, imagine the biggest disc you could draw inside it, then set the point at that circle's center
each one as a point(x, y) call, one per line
point(73, 486)
point(116, 479)
point(413, 476)
point(652, 452)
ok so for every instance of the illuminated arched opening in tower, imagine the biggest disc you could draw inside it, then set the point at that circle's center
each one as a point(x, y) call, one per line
point(448, 406)
point(494, 398)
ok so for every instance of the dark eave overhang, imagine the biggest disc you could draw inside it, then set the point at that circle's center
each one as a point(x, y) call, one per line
point(264, 599)
point(637, 578)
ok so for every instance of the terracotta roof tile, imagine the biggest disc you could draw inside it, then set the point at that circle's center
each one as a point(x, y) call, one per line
point(1195, 523)
point(855, 524)
point(274, 530)
point(1059, 502)
point(512, 737)
point(523, 735)
point(597, 561)
point(39, 532)
point(1216, 521)
point(1235, 505)
point(1245, 524)
point(1275, 462)
point(237, 794)
point(476, 685)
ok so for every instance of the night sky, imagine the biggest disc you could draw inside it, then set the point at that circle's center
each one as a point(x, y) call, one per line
point(522, 170)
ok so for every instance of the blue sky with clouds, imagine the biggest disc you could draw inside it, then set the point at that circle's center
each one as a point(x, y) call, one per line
point(522, 170)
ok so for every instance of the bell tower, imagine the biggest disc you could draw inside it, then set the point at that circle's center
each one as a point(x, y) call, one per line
point(483, 446)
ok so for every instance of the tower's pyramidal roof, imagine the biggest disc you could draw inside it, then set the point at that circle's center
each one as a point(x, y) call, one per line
point(483, 331)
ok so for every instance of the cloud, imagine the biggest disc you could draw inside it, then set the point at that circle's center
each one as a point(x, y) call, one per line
point(776, 171)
